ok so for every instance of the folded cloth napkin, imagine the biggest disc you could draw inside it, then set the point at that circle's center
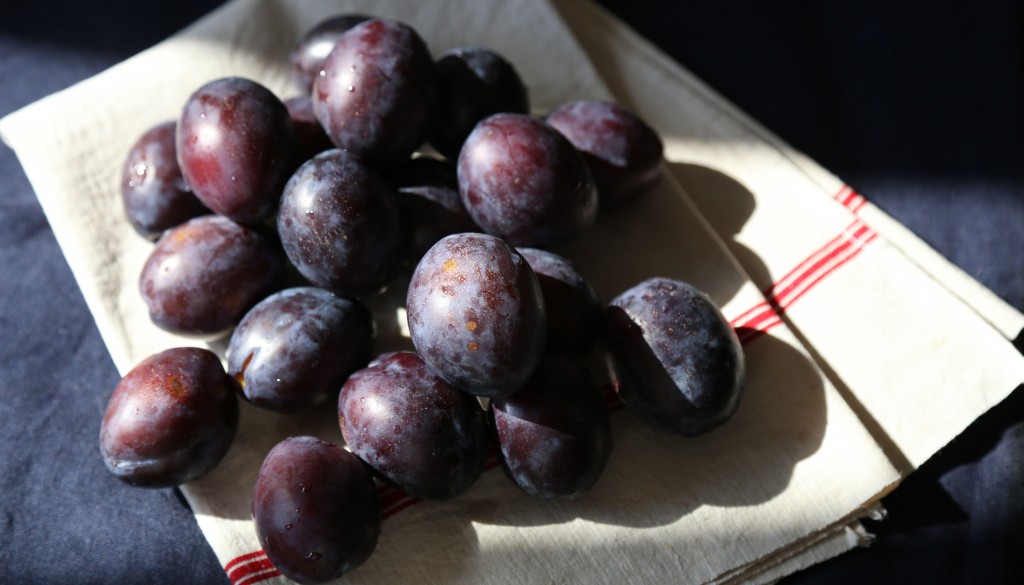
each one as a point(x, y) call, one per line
point(813, 444)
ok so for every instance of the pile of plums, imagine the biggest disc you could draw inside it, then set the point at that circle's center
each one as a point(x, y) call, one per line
point(275, 220)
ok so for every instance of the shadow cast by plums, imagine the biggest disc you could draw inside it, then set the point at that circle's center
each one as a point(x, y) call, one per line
point(660, 234)
point(408, 543)
point(655, 477)
point(727, 205)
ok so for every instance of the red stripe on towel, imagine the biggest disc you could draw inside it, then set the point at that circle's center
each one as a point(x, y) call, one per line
point(852, 239)
point(250, 568)
point(850, 199)
point(847, 255)
point(398, 506)
point(797, 273)
point(257, 577)
point(839, 250)
point(244, 558)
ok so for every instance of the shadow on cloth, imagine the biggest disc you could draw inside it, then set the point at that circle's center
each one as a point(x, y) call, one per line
point(655, 477)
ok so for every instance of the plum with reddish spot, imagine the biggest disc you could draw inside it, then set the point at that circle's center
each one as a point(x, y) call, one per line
point(204, 275)
point(476, 314)
point(170, 420)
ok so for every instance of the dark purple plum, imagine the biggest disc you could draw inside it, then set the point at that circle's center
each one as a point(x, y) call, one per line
point(415, 430)
point(424, 170)
point(316, 510)
point(234, 144)
point(376, 90)
point(476, 314)
point(204, 275)
point(574, 311)
point(428, 193)
point(170, 420)
point(554, 436)
point(524, 182)
point(310, 138)
point(307, 56)
point(473, 83)
point(672, 357)
point(340, 224)
point(295, 348)
point(153, 191)
point(624, 153)
point(430, 213)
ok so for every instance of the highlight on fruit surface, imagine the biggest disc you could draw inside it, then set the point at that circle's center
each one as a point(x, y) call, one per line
point(295, 348)
point(523, 181)
point(234, 145)
point(309, 52)
point(153, 191)
point(415, 430)
point(375, 92)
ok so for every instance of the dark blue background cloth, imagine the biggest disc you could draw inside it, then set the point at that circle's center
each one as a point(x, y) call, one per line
point(919, 106)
